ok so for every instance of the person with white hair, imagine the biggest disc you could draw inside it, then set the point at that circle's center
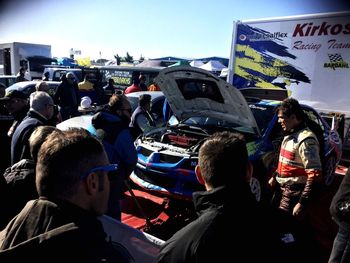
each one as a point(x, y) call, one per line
point(40, 112)
point(44, 86)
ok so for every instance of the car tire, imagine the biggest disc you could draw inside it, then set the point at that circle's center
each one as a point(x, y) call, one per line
point(255, 187)
point(329, 170)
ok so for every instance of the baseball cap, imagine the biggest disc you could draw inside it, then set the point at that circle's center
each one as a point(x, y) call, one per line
point(14, 94)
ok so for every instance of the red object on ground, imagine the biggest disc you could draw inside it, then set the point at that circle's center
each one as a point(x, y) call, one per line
point(152, 206)
point(165, 216)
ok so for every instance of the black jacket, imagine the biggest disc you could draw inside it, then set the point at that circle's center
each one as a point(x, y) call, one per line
point(340, 206)
point(233, 227)
point(46, 231)
point(20, 184)
point(67, 95)
point(225, 231)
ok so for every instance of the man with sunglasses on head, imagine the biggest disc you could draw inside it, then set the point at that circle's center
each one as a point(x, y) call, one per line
point(16, 104)
point(62, 224)
point(112, 127)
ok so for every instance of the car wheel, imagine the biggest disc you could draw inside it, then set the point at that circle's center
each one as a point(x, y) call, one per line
point(255, 187)
point(329, 170)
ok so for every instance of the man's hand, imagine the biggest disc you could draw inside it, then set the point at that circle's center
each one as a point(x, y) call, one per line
point(297, 210)
point(272, 182)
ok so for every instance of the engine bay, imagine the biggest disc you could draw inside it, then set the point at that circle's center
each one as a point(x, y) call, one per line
point(179, 140)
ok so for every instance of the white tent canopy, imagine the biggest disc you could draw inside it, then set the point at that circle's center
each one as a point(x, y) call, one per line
point(196, 63)
point(213, 66)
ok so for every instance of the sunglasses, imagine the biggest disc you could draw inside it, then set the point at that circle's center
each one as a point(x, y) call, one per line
point(105, 168)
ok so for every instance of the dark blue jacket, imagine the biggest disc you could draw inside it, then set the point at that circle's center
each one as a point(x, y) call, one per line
point(119, 145)
point(20, 139)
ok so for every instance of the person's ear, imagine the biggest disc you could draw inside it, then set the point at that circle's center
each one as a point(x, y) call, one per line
point(92, 183)
point(294, 117)
point(249, 171)
point(199, 176)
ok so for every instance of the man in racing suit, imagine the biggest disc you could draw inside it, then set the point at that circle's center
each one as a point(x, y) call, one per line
point(299, 165)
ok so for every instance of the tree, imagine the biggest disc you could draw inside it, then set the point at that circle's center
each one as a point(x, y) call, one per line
point(117, 58)
point(129, 58)
point(141, 58)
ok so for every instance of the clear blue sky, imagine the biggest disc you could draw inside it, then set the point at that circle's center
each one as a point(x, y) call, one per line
point(151, 28)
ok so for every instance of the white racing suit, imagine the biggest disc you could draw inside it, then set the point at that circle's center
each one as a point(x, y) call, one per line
point(299, 167)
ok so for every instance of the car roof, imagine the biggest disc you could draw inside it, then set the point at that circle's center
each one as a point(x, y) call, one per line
point(83, 121)
point(134, 97)
point(154, 94)
point(275, 103)
point(63, 68)
point(28, 86)
point(130, 68)
point(7, 76)
point(23, 84)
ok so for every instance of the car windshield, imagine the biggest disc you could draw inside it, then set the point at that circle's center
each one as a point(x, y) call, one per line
point(262, 114)
point(213, 123)
point(192, 89)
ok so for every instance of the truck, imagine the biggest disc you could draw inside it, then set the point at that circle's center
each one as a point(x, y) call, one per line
point(30, 56)
point(307, 55)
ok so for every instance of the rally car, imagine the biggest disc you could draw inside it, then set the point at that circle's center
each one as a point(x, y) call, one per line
point(203, 104)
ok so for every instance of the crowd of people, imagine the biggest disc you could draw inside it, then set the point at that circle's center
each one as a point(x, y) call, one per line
point(56, 183)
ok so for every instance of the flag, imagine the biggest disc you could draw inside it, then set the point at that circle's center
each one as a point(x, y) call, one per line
point(334, 58)
point(84, 61)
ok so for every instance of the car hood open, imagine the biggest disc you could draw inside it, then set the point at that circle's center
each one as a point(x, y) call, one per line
point(195, 92)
